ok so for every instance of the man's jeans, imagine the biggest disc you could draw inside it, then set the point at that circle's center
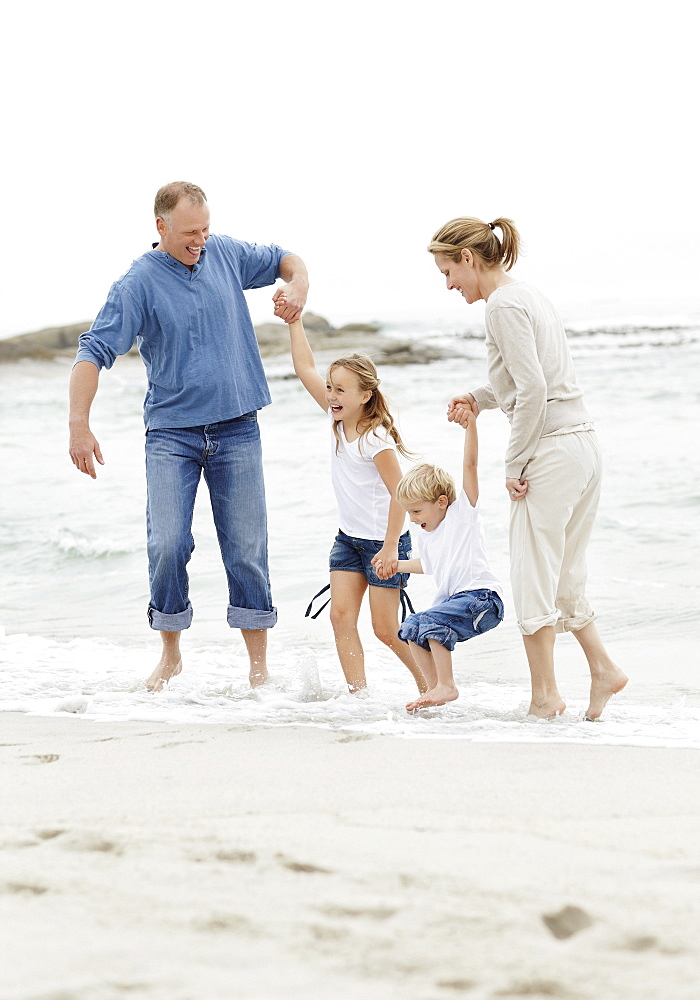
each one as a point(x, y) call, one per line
point(229, 453)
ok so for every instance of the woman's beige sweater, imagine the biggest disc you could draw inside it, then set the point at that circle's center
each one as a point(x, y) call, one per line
point(531, 373)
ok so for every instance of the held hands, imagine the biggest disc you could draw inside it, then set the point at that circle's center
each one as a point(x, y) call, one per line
point(462, 409)
point(385, 563)
point(83, 445)
point(288, 303)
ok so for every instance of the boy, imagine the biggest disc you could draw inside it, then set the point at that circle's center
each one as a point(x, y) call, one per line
point(468, 599)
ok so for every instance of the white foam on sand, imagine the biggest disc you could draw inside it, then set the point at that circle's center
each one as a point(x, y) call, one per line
point(100, 680)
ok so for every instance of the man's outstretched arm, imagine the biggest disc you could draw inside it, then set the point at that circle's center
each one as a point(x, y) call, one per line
point(83, 443)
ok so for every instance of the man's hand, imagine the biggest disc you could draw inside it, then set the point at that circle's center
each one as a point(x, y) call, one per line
point(83, 445)
point(289, 302)
point(461, 408)
point(516, 488)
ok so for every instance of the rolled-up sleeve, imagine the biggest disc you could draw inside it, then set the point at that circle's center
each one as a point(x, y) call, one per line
point(114, 331)
point(260, 265)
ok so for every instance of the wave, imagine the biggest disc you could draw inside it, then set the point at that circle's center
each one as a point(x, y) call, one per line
point(628, 332)
point(96, 679)
point(646, 333)
point(71, 543)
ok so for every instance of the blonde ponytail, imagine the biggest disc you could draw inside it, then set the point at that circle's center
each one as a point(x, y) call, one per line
point(467, 233)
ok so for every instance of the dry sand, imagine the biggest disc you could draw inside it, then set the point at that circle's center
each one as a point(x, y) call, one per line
point(214, 863)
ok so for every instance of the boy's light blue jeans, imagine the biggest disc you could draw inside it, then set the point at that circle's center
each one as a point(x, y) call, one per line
point(230, 456)
point(460, 617)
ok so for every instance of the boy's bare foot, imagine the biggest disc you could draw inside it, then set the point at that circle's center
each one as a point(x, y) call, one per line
point(436, 696)
point(547, 709)
point(164, 672)
point(603, 687)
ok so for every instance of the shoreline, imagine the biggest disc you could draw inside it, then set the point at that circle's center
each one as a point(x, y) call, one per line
point(210, 862)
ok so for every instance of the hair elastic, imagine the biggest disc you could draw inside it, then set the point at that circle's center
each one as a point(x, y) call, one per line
point(491, 226)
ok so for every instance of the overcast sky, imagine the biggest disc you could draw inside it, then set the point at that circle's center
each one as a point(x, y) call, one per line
point(349, 134)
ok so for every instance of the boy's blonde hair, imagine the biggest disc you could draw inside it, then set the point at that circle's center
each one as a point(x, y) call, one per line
point(425, 482)
point(376, 411)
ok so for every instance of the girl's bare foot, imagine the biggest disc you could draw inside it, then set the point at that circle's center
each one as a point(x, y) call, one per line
point(359, 688)
point(603, 687)
point(164, 672)
point(436, 696)
point(547, 709)
point(258, 676)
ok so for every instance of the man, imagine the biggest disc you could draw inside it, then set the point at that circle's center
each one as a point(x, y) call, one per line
point(183, 304)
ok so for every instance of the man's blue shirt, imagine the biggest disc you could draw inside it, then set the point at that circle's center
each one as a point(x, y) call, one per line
point(193, 331)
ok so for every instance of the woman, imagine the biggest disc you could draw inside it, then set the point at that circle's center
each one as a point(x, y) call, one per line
point(552, 463)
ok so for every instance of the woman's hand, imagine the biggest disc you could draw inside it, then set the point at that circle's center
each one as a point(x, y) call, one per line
point(516, 488)
point(459, 409)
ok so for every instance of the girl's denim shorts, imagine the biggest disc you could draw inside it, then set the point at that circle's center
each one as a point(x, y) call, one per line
point(354, 555)
point(460, 617)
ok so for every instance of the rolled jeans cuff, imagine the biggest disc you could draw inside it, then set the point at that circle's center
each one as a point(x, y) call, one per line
point(249, 618)
point(170, 623)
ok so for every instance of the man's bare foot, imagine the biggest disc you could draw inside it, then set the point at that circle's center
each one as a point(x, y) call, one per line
point(603, 687)
point(164, 672)
point(547, 709)
point(436, 696)
point(258, 676)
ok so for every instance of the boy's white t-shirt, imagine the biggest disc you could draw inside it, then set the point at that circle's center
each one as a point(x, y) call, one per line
point(363, 499)
point(454, 554)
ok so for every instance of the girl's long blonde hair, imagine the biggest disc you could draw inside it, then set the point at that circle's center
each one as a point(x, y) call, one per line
point(376, 411)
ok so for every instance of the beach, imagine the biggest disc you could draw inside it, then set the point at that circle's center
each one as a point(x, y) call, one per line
point(210, 841)
point(210, 862)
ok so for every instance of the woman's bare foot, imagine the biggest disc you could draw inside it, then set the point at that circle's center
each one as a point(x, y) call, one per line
point(547, 709)
point(164, 672)
point(436, 696)
point(603, 687)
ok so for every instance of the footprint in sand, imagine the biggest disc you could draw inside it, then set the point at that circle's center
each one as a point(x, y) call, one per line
point(92, 842)
point(236, 857)
point(41, 758)
point(25, 888)
point(302, 866)
point(535, 988)
point(179, 743)
point(645, 942)
point(49, 833)
point(227, 922)
point(567, 922)
point(374, 912)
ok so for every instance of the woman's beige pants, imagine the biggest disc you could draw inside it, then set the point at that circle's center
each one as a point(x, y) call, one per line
point(549, 532)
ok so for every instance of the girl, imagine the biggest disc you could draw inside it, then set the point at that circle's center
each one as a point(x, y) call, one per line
point(552, 462)
point(365, 472)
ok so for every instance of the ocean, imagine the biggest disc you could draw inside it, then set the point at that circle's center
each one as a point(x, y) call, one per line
point(75, 638)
